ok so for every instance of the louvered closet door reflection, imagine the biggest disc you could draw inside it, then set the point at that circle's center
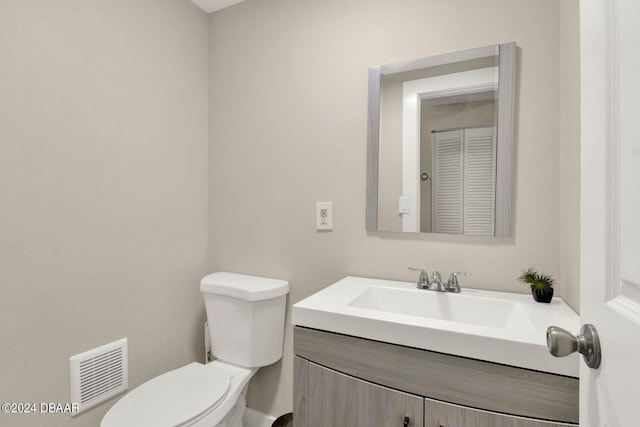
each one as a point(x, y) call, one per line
point(447, 182)
point(479, 181)
point(464, 170)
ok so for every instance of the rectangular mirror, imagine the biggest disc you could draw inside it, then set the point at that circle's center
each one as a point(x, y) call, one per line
point(440, 143)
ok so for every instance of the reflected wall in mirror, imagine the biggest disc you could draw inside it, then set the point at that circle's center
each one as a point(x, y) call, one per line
point(440, 143)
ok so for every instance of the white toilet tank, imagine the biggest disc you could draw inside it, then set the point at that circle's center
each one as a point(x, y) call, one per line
point(246, 317)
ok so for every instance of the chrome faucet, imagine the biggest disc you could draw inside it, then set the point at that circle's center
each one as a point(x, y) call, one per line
point(452, 283)
point(423, 280)
point(435, 283)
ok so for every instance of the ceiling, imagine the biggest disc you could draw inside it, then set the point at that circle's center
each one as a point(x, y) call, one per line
point(211, 6)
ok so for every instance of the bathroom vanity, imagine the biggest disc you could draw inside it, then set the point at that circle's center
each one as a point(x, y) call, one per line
point(358, 363)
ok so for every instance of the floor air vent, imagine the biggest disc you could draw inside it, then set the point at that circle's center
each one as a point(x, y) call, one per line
point(99, 374)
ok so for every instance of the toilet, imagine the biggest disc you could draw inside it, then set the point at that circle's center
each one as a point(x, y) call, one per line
point(246, 330)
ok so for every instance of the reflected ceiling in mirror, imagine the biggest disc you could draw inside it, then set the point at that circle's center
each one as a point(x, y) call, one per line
point(440, 143)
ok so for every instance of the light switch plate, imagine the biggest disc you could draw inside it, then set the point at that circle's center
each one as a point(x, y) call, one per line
point(403, 205)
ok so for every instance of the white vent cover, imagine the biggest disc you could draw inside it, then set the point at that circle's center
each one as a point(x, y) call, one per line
point(99, 374)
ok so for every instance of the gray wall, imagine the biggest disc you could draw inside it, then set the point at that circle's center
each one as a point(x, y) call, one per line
point(288, 129)
point(569, 147)
point(103, 184)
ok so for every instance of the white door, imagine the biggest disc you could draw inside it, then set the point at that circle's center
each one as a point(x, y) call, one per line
point(610, 209)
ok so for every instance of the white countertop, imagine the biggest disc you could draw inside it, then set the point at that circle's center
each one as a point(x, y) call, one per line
point(498, 327)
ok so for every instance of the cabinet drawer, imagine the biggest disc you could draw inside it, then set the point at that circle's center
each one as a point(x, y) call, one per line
point(439, 414)
point(335, 399)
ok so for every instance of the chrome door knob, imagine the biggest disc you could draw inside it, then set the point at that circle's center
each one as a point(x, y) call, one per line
point(562, 343)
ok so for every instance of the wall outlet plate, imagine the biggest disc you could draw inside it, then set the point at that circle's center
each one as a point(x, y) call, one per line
point(324, 216)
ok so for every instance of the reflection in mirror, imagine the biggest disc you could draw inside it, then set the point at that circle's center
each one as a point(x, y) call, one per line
point(440, 143)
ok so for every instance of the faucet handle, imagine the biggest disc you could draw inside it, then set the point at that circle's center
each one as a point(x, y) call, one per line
point(435, 277)
point(452, 283)
point(423, 281)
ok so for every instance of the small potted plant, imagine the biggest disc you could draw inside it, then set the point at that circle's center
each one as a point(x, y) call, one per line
point(541, 284)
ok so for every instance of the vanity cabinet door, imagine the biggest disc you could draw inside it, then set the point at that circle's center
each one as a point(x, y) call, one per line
point(338, 400)
point(438, 414)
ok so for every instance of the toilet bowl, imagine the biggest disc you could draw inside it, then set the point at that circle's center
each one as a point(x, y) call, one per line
point(195, 395)
point(250, 335)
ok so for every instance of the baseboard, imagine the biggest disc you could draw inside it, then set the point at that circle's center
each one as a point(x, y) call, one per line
point(253, 418)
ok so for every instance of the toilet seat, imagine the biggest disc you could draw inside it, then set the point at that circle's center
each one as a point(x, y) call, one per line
point(172, 399)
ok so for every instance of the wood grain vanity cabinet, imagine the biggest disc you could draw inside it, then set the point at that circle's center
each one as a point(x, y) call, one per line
point(446, 415)
point(345, 381)
point(341, 400)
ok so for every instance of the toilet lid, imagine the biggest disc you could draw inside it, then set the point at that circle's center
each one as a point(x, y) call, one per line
point(170, 399)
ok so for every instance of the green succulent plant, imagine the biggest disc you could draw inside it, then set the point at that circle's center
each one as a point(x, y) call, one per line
point(539, 283)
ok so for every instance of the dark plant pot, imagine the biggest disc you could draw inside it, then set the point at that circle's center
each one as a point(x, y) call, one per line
point(543, 296)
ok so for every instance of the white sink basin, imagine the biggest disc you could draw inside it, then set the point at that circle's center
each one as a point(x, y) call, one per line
point(493, 326)
point(471, 307)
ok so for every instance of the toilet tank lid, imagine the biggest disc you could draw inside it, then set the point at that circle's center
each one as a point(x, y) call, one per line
point(248, 288)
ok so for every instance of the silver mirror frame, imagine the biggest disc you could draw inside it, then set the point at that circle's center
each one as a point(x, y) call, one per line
point(505, 148)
